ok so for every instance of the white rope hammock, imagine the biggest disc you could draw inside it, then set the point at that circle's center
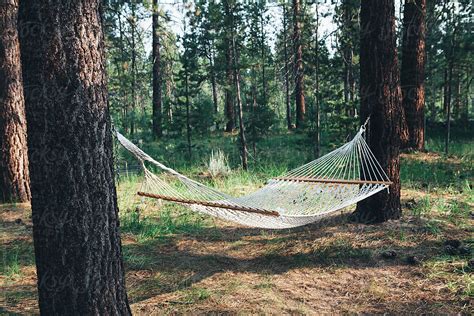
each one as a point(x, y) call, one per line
point(302, 196)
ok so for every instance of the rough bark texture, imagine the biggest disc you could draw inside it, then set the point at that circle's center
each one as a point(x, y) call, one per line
point(413, 72)
point(299, 73)
point(14, 175)
point(381, 99)
point(74, 204)
point(157, 77)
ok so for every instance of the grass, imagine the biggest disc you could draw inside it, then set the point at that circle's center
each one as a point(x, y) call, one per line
point(181, 262)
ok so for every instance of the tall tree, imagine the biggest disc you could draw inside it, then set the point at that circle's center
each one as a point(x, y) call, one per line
point(229, 95)
point(74, 204)
point(14, 175)
point(299, 70)
point(237, 79)
point(348, 21)
point(286, 56)
point(413, 72)
point(381, 100)
point(317, 110)
point(157, 76)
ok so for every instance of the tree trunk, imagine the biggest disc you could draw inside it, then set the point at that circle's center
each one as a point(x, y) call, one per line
point(317, 141)
point(457, 104)
point(287, 70)
point(243, 141)
point(299, 75)
point(448, 108)
point(14, 175)
point(157, 76)
point(413, 72)
point(212, 74)
point(381, 100)
point(74, 204)
point(229, 96)
point(188, 114)
point(264, 79)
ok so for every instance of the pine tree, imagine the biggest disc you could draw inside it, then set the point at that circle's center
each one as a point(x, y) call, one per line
point(381, 100)
point(157, 73)
point(299, 69)
point(14, 174)
point(413, 72)
point(78, 251)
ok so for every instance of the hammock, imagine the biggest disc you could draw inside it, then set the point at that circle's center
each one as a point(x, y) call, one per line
point(302, 196)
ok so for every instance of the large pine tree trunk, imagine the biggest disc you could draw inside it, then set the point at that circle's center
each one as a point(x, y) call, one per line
point(157, 76)
point(74, 204)
point(381, 99)
point(413, 72)
point(299, 75)
point(14, 175)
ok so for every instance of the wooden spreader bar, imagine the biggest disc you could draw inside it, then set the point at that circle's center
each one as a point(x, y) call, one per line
point(337, 181)
point(210, 204)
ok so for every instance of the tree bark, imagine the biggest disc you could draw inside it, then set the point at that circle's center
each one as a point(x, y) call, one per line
point(188, 113)
point(317, 140)
point(212, 74)
point(299, 75)
point(287, 69)
point(133, 83)
point(14, 175)
point(413, 72)
point(381, 100)
point(157, 75)
point(229, 96)
point(74, 204)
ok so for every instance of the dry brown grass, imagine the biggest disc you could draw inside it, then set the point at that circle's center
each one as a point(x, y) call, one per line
point(321, 269)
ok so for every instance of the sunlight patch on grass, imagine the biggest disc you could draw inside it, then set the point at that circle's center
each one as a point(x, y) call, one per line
point(454, 272)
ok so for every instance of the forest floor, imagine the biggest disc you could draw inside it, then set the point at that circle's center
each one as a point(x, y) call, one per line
point(178, 262)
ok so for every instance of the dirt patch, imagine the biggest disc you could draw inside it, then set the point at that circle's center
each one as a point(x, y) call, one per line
point(332, 268)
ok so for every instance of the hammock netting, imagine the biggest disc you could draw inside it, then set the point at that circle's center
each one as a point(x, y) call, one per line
point(302, 196)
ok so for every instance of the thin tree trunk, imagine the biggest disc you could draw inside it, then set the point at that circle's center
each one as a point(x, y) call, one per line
point(212, 73)
point(188, 114)
point(134, 67)
point(264, 79)
point(14, 175)
point(317, 148)
point(243, 141)
point(74, 204)
point(299, 72)
point(121, 72)
point(448, 92)
point(229, 96)
point(457, 105)
point(413, 72)
point(448, 108)
point(381, 100)
point(287, 69)
point(157, 75)
point(254, 109)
